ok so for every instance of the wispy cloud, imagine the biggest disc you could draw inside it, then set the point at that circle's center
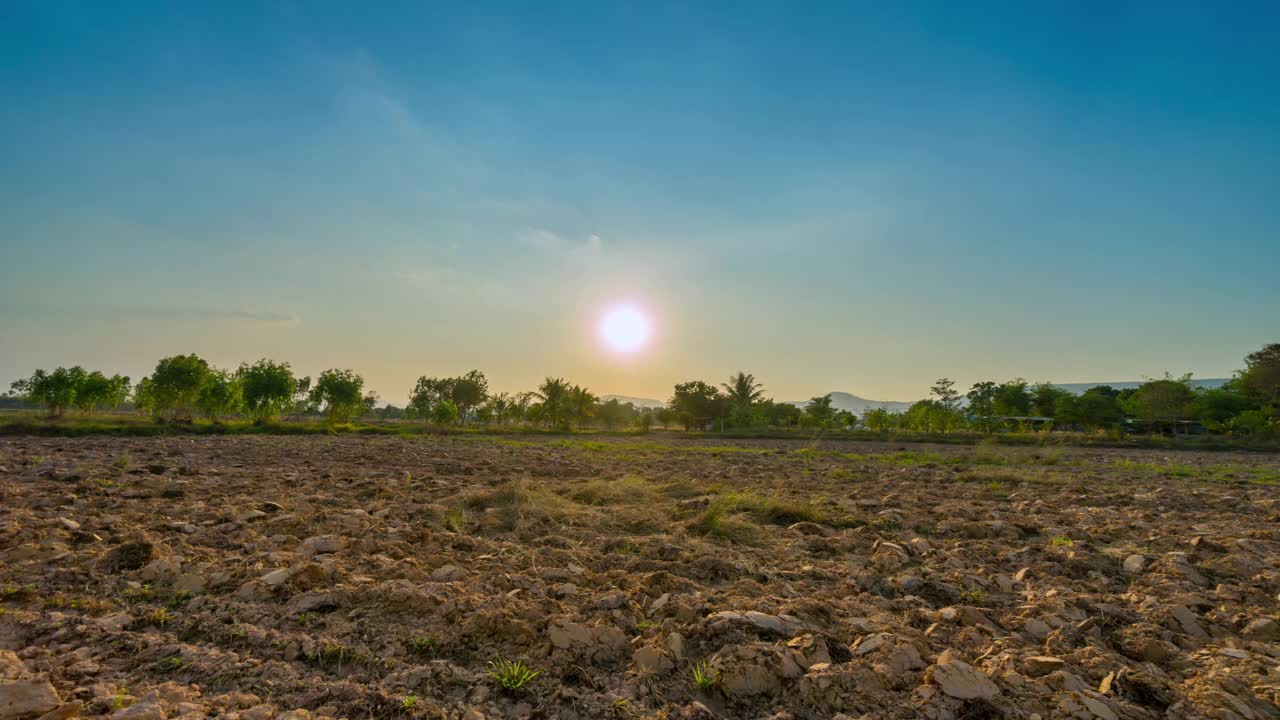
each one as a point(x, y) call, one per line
point(545, 240)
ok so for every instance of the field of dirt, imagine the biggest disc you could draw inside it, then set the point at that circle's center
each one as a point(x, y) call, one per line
point(274, 577)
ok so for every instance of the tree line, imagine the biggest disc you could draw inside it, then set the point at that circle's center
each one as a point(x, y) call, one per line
point(185, 387)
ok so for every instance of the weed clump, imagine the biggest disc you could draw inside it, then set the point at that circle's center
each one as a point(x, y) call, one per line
point(705, 677)
point(511, 675)
point(628, 490)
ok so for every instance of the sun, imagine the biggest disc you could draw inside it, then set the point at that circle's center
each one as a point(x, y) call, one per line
point(625, 328)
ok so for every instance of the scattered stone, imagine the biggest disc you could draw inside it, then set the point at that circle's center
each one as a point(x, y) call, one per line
point(652, 660)
point(1039, 665)
point(64, 711)
point(961, 680)
point(69, 524)
point(313, 601)
point(782, 625)
point(21, 699)
point(1263, 629)
point(1188, 621)
point(675, 643)
point(275, 578)
point(162, 570)
point(320, 545)
point(1134, 564)
point(130, 556)
point(448, 573)
point(1036, 628)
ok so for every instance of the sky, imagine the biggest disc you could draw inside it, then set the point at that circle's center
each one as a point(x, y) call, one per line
point(842, 196)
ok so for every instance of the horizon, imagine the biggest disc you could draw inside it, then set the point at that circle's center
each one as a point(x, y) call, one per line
point(860, 199)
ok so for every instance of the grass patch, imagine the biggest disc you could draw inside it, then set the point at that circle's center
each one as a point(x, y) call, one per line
point(716, 521)
point(336, 656)
point(629, 490)
point(421, 647)
point(1212, 473)
point(511, 675)
point(705, 677)
point(518, 502)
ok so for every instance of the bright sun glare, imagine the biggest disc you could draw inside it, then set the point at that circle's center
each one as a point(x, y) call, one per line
point(625, 328)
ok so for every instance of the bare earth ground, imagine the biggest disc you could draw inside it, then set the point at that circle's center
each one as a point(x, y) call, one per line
point(262, 577)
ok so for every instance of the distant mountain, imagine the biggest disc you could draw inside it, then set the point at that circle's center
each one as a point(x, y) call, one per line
point(637, 401)
point(858, 405)
point(1079, 388)
point(839, 401)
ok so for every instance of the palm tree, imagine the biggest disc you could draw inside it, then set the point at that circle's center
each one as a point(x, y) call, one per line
point(743, 390)
point(499, 406)
point(554, 393)
point(581, 404)
point(518, 410)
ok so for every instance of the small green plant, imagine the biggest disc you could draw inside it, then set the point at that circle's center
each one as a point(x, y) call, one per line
point(159, 617)
point(120, 700)
point(122, 461)
point(455, 521)
point(1061, 541)
point(173, 664)
point(645, 625)
point(974, 596)
point(422, 647)
point(705, 677)
point(178, 599)
point(11, 591)
point(510, 675)
point(409, 703)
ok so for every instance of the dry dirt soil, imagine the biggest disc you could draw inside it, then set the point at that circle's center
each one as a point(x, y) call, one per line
point(262, 577)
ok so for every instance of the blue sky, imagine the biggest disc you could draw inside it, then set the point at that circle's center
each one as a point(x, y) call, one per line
point(831, 196)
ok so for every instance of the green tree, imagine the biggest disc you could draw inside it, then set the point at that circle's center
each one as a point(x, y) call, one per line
point(581, 405)
point(520, 406)
point(554, 394)
point(613, 413)
point(268, 389)
point(444, 413)
point(1260, 379)
point(1162, 401)
point(1044, 399)
point(780, 415)
point(945, 391)
point(469, 392)
point(846, 419)
point(819, 410)
point(340, 394)
point(175, 385)
point(54, 391)
point(877, 419)
point(742, 390)
point(302, 396)
point(99, 391)
point(1217, 406)
point(427, 393)
point(696, 403)
point(1012, 399)
point(498, 408)
point(982, 402)
point(1096, 407)
point(220, 396)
